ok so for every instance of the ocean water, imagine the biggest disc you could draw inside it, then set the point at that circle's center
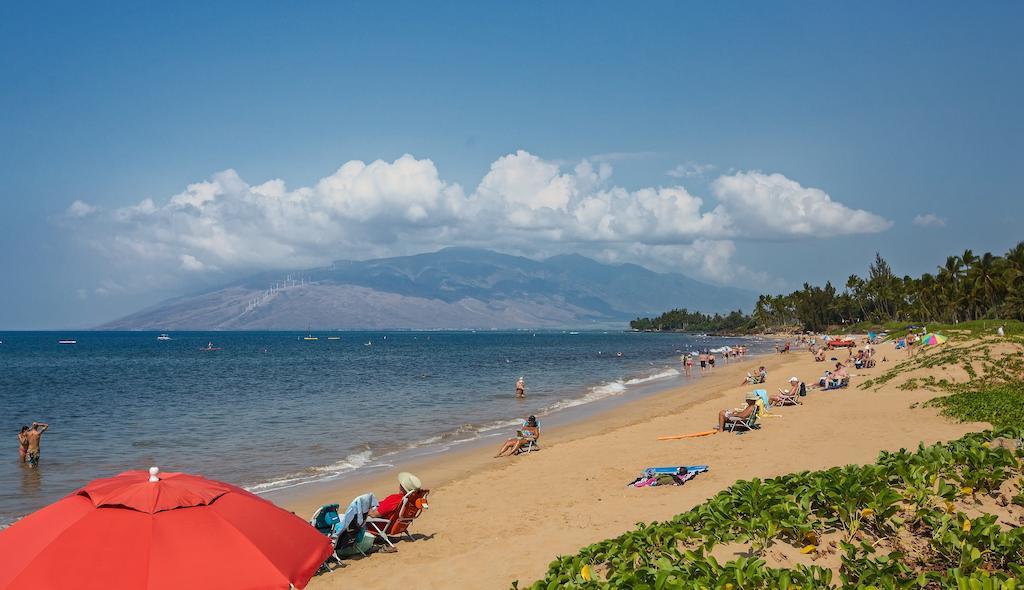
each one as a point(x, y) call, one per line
point(269, 411)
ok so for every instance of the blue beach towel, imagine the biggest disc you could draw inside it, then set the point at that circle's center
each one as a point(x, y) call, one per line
point(763, 394)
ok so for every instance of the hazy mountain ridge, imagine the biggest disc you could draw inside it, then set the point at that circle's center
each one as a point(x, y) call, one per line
point(455, 288)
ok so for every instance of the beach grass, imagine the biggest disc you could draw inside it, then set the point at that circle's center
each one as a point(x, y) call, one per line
point(935, 517)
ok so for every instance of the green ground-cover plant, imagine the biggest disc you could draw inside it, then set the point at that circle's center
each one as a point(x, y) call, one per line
point(896, 523)
point(998, 405)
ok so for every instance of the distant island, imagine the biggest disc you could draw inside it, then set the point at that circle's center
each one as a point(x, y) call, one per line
point(454, 288)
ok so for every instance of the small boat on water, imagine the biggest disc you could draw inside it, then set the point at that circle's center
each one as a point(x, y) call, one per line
point(309, 337)
point(163, 337)
point(210, 347)
point(573, 333)
point(370, 343)
point(334, 337)
point(67, 341)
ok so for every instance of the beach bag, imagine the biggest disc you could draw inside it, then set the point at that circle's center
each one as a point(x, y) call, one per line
point(803, 389)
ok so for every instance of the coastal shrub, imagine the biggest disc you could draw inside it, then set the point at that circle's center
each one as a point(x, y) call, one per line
point(910, 520)
point(999, 405)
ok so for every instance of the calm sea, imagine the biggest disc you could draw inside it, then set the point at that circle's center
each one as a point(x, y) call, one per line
point(270, 410)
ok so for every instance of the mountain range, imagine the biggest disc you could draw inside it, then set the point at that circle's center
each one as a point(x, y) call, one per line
point(454, 288)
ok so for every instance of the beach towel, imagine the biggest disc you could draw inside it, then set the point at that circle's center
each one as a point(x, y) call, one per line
point(763, 394)
point(356, 509)
point(655, 476)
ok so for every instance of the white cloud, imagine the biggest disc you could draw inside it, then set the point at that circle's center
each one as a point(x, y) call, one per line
point(773, 206)
point(80, 209)
point(690, 169)
point(523, 204)
point(929, 220)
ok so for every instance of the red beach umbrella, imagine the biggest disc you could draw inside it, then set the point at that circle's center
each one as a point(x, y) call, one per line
point(169, 531)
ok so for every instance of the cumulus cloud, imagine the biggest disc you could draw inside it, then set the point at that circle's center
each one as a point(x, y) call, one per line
point(523, 203)
point(929, 220)
point(773, 206)
point(690, 169)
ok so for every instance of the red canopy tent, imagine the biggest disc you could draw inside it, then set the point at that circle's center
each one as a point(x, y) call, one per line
point(174, 531)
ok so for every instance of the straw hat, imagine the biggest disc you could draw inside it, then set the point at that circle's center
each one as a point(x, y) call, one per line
point(409, 482)
point(752, 397)
point(793, 380)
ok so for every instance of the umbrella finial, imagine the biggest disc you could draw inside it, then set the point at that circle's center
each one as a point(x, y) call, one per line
point(152, 474)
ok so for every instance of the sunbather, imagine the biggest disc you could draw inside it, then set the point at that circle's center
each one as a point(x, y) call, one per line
point(737, 414)
point(407, 482)
point(784, 395)
point(529, 432)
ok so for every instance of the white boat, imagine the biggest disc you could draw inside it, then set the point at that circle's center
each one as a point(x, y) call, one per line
point(67, 341)
point(163, 337)
point(334, 337)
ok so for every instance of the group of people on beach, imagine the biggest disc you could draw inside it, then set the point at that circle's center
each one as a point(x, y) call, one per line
point(28, 442)
point(758, 400)
point(706, 358)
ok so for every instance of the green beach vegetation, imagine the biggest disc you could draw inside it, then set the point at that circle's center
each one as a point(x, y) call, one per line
point(937, 517)
point(965, 288)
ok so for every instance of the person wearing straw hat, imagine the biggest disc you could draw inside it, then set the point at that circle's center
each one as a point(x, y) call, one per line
point(738, 414)
point(407, 482)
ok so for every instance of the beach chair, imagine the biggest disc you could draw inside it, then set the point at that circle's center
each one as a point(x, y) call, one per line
point(411, 507)
point(327, 521)
point(787, 399)
point(741, 426)
point(531, 442)
point(344, 529)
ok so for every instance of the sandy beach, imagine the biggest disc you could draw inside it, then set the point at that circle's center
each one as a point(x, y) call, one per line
point(493, 521)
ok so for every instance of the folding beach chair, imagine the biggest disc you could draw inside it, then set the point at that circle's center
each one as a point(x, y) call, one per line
point(531, 442)
point(787, 399)
point(344, 529)
point(413, 504)
point(740, 426)
point(327, 521)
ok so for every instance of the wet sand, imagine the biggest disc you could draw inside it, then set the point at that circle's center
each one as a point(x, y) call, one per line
point(492, 521)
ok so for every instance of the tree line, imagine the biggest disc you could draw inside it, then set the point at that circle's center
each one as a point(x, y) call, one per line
point(967, 287)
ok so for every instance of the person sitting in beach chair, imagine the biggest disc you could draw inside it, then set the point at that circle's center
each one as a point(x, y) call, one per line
point(524, 441)
point(738, 419)
point(838, 378)
point(396, 512)
point(790, 397)
point(760, 377)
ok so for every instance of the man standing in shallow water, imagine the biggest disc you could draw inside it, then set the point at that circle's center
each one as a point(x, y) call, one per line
point(520, 388)
point(33, 435)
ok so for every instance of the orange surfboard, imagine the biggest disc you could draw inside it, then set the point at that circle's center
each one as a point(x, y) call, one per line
point(691, 435)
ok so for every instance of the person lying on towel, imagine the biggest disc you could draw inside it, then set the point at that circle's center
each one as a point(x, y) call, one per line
point(738, 414)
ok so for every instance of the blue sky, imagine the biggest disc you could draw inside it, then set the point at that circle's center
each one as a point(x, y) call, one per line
point(530, 128)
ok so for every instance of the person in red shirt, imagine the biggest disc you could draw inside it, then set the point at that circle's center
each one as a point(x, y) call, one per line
point(407, 482)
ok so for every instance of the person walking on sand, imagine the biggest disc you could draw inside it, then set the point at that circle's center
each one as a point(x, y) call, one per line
point(33, 435)
point(23, 444)
point(520, 388)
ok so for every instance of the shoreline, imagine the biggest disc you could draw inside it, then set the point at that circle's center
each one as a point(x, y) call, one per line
point(554, 417)
point(573, 492)
point(474, 455)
